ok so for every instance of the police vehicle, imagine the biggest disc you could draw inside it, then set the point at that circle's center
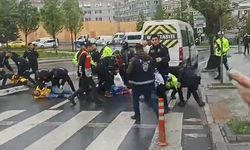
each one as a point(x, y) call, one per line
point(178, 37)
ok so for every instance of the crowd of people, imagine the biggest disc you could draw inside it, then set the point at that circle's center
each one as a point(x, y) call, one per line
point(145, 70)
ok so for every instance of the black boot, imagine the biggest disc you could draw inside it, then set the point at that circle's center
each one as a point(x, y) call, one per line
point(182, 103)
point(72, 99)
point(137, 119)
point(217, 78)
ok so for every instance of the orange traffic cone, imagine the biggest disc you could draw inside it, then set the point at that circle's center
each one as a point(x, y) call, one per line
point(162, 133)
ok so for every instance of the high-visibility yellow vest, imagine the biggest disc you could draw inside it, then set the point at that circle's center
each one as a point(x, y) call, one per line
point(218, 46)
point(172, 82)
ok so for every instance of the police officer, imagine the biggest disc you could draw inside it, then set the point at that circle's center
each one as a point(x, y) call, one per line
point(43, 77)
point(141, 76)
point(32, 56)
point(4, 56)
point(160, 55)
point(219, 51)
point(190, 80)
point(85, 75)
point(106, 71)
point(23, 67)
point(60, 77)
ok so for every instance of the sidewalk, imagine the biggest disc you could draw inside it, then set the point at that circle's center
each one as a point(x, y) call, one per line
point(225, 104)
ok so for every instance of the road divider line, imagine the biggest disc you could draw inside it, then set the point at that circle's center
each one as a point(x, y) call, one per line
point(114, 134)
point(59, 104)
point(25, 125)
point(10, 113)
point(55, 138)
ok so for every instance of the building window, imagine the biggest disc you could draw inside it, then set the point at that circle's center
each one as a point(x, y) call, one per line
point(96, 19)
point(96, 12)
point(100, 11)
point(156, 2)
point(89, 12)
point(100, 19)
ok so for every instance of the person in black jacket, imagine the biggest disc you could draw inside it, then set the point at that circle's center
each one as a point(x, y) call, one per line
point(32, 57)
point(4, 56)
point(60, 77)
point(246, 41)
point(42, 77)
point(190, 80)
point(141, 76)
point(23, 67)
point(86, 83)
point(160, 55)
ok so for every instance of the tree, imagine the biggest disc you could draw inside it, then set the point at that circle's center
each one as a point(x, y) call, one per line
point(28, 19)
point(140, 21)
point(160, 13)
point(213, 11)
point(8, 17)
point(73, 18)
point(52, 17)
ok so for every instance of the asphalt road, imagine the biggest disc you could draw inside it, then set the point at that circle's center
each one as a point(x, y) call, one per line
point(55, 124)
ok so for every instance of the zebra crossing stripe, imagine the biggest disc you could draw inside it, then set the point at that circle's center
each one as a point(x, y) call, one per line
point(59, 104)
point(10, 113)
point(25, 125)
point(59, 135)
point(114, 134)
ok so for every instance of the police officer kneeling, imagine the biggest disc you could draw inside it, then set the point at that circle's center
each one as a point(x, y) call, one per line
point(141, 76)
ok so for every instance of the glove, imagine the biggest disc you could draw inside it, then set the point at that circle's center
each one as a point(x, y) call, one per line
point(158, 59)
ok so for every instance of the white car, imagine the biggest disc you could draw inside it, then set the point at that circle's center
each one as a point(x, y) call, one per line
point(133, 38)
point(118, 38)
point(102, 40)
point(41, 40)
point(50, 43)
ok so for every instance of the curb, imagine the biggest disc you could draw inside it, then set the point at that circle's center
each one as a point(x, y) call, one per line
point(52, 61)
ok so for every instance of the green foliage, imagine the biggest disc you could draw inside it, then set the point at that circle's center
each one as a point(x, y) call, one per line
point(140, 21)
point(8, 17)
point(73, 15)
point(240, 127)
point(160, 13)
point(52, 17)
point(28, 19)
point(212, 10)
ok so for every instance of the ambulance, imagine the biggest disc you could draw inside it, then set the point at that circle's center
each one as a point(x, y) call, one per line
point(178, 37)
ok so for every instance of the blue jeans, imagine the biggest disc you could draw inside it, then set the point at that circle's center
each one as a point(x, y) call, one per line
point(147, 91)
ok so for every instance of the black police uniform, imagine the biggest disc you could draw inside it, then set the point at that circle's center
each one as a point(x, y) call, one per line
point(106, 72)
point(61, 74)
point(23, 67)
point(141, 76)
point(163, 67)
point(32, 56)
point(4, 63)
point(42, 77)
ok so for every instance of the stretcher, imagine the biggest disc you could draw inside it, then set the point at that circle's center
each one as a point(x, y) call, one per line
point(13, 90)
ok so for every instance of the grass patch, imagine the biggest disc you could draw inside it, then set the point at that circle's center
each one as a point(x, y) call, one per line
point(240, 127)
point(44, 53)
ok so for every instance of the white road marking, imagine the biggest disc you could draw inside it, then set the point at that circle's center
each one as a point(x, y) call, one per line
point(192, 120)
point(25, 125)
point(114, 134)
point(193, 127)
point(196, 135)
point(59, 104)
point(10, 113)
point(59, 135)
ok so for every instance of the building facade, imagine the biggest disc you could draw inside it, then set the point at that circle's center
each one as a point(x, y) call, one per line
point(171, 5)
point(97, 10)
point(128, 10)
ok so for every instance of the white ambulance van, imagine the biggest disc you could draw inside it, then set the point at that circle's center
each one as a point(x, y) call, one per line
point(178, 37)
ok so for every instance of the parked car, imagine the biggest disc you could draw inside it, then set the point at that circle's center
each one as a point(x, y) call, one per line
point(41, 40)
point(102, 40)
point(16, 44)
point(133, 38)
point(118, 38)
point(50, 43)
point(80, 41)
